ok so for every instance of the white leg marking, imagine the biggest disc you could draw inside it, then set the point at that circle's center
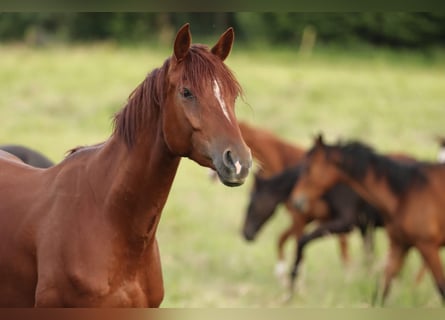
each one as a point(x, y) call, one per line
point(280, 272)
point(222, 104)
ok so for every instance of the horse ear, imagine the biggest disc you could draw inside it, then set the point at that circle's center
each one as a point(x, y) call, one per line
point(182, 42)
point(224, 45)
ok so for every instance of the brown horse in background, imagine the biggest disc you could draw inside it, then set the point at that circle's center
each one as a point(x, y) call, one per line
point(272, 153)
point(83, 232)
point(411, 198)
point(275, 155)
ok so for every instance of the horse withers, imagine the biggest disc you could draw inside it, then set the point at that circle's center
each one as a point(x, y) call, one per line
point(83, 232)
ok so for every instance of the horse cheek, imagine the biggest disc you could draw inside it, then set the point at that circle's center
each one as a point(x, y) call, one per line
point(177, 132)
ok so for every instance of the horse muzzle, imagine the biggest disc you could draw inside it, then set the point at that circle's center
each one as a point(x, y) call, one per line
point(249, 234)
point(233, 171)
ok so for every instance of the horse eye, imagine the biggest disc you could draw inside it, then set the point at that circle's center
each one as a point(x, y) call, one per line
point(186, 93)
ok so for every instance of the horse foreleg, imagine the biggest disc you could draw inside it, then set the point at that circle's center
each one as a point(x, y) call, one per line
point(280, 267)
point(394, 263)
point(368, 242)
point(344, 251)
point(421, 274)
point(296, 230)
point(430, 254)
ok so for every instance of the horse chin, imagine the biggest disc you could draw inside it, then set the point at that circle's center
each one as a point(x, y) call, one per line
point(231, 183)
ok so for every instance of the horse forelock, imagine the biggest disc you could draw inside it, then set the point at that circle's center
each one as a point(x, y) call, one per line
point(358, 159)
point(201, 68)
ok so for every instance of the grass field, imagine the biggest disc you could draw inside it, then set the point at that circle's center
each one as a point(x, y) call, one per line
point(53, 99)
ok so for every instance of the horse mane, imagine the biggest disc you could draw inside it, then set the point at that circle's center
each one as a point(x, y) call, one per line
point(199, 68)
point(357, 158)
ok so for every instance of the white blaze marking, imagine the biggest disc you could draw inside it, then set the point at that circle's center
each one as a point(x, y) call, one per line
point(238, 167)
point(222, 104)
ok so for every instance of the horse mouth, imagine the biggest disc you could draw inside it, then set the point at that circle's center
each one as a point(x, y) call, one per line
point(248, 235)
point(231, 181)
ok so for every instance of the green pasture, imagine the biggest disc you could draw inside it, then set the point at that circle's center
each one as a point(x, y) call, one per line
point(56, 98)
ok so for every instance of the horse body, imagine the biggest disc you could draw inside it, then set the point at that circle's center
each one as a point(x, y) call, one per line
point(94, 245)
point(409, 196)
point(83, 232)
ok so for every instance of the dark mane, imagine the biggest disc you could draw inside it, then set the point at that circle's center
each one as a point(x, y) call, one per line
point(200, 67)
point(357, 158)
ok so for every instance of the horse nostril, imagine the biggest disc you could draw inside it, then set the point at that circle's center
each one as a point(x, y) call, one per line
point(230, 163)
point(227, 159)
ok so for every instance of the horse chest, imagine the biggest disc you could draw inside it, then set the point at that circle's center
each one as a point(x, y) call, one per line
point(98, 268)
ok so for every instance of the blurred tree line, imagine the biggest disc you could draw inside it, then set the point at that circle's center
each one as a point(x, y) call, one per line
point(391, 29)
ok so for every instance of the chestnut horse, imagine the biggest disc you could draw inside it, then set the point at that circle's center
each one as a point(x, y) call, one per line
point(274, 155)
point(410, 196)
point(28, 156)
point(83, 232)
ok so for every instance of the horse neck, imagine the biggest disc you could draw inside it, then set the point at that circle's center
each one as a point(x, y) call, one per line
point(135, 164)
point(376, 191)
point(139, 178)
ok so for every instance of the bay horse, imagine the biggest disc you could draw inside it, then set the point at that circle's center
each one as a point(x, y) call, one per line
point(274, 155)
point(410, 196)
point(28, 155)
point(338, 211)
point(83, 232)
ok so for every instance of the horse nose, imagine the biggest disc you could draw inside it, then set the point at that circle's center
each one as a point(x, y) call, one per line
point(248, 234)
point(232, 162)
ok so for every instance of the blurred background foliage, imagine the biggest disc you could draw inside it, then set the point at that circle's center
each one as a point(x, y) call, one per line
point(413, 30)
